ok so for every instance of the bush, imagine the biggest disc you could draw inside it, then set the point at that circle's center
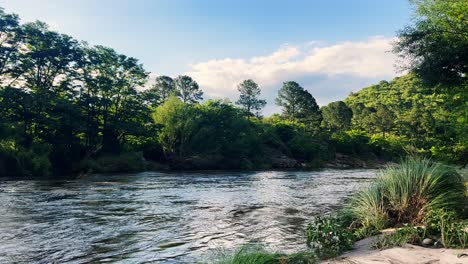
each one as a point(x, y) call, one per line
point(390, 147)
point(328, 236)
point(405, 193)
point(18, 161)
point(453, 233)
point(401, 237)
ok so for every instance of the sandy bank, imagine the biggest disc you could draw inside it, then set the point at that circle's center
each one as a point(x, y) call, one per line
point(362, 254)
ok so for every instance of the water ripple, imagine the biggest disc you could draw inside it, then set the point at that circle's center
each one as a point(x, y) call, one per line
point(164, 217)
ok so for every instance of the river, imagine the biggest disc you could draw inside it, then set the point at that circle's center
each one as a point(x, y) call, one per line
point(154, 217)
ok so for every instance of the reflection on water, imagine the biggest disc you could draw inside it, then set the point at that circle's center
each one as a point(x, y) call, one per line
point(164, 217)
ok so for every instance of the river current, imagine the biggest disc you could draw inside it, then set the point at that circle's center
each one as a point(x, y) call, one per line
point(154, 217)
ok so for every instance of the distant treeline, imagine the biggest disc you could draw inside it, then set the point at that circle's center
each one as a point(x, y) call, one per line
point(67, 107)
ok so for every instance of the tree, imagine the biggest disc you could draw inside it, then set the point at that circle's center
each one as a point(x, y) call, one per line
point(109, 97)
point(187, 89)
point(299, 105)
point(437, 43)
point(179, 123)
point(248, 98)
point(160, 91)
point(309, 111)
point(290, 97)
point(10, 42)
point(384, 119)
point(337, 116)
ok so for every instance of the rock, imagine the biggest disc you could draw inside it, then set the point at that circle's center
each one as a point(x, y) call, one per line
point(427, 242)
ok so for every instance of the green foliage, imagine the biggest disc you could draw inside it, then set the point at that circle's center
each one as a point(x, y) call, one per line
point(248, 98)
point(336, 116)
point(389, 147)
point(401, 237)
point(161, 90)
point(406, 192)
point(446, 224)
point(425, 120)
point(256, 254)
point(299, 105)
point(187, 89)
point(351, 142)
point(328, 236)
point(18, 161)
point(436, 44)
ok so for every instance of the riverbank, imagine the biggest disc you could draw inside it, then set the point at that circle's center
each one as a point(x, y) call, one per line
point(364, 254)
point(135, 162)
point(415, 203)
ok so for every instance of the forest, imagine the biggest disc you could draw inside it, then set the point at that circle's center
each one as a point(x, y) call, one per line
point(68, 107)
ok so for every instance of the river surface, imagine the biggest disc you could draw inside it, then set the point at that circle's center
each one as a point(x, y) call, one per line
point(156, 217)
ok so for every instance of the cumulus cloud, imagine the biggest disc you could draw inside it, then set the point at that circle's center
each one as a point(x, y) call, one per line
point(370, 60)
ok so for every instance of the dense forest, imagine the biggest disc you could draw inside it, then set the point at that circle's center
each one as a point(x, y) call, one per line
point(68, 107)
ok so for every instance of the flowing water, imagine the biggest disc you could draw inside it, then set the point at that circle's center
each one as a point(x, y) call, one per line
point(156, 217)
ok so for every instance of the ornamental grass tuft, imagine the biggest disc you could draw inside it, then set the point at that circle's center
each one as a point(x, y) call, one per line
point(405, 193)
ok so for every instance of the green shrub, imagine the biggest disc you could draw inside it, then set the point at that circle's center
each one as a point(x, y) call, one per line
point(453, 232)
point(328, 236)
point(406, 192)
point(352, 142)
point(19, 161)
point(401, 237)
point(390, 147)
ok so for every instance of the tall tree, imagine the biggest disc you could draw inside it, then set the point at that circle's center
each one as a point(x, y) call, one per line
point(248, 98)
point(10, 43)
point(160, 91)
point(109, 97)
point(437, 43)
point(384, 119)
point(337, 116)
point(187, 89)
point(309, 112)
point(290, 97)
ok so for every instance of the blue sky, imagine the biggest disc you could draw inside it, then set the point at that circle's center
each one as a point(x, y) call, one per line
point(331, 47)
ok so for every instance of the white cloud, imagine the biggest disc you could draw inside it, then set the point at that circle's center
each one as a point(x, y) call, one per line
point(366, 60)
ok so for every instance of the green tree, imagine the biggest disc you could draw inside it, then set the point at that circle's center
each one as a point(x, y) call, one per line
point(437, 43)
point(161, 90)
point(290, 98)
point(10, 42)
point(309, 112)
point(179, 124)
point(337, 116)
point(187, 89)
point(384, 119)
point(248, 98)
point(109, 97)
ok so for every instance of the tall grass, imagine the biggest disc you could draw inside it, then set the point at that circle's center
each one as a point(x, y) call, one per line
point(406, 192)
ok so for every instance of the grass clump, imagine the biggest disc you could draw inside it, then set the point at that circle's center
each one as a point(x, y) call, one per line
point(407, 192)
point(256, 254)
point(416, 192)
